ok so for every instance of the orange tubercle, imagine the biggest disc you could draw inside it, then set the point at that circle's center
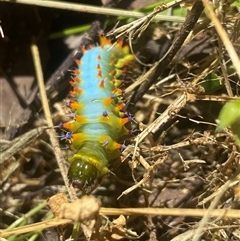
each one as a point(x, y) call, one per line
point(117, 91)
point(120, 44)
point(68, 125)
point(99, 74)
point(102, 84)
point(76, 79)
point(111, 73)
point(107, 101)
point(116, 82)
point(120, 107)
point(80, 119)
point(117, 145)
point(109, 143)
point(72, 82)
point(112, 62)
point(75, 105)
point(78, 61)
point(124, 120)
point(76, 72)
point(83, 49)
point(104, 41)
point(77, 90)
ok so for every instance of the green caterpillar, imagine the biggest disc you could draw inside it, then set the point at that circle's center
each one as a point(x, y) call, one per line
point(96, 103)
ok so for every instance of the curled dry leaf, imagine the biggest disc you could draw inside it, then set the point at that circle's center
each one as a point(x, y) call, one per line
point(56, 202)
point(116, 230)
point(84, 209)
point(120, 221)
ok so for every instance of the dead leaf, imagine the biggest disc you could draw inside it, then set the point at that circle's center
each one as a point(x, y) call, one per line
point(84, 209)
point(56, 202)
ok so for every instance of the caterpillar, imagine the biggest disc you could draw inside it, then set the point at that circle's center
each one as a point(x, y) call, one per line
point(96, 105)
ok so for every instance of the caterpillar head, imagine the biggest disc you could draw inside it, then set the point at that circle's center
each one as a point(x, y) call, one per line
point(83, 175)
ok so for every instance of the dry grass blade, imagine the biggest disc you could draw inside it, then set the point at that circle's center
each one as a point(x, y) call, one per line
point(234, 181)
point(46, 109)
point(125, 211)
point(33, 227)
point(92, 9)
point(224, 37)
